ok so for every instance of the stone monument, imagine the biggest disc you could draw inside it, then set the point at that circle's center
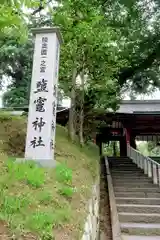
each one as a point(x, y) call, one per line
point(40, 140)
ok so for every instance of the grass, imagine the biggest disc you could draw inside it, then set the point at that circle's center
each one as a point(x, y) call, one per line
point(38, 203)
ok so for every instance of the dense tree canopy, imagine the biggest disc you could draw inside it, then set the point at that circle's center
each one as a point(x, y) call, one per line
point(110, 47)
point(14, 16)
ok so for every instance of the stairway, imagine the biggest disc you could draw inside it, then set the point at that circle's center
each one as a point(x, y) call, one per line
point(137, 201)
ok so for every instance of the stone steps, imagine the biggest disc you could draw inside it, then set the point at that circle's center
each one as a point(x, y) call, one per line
point(137, 201)
point(146, 201)
point(126, 179)
point(135, 208)
point(129, 237)
point(137, 194)
point(119, 177)
point(139, 217)
point(133, 184)
point(126, 174)
point(123, 164)
point(140, 229)
point(137, 189)
point(126, 171)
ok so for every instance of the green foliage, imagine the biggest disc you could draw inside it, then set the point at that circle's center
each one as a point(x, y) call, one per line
point(13, 133)
point(111, 42)
point(66, 191)
point(26, 172)
point(149, 148)
point(63, 174)
point(41, 220)
point(13, 204)
point(10, 20)
point(14, 17)
point(87, 40)
point(16, 64)
point(153, 149)
point(109, 150)
point(45, 221)
point(37, 202)
point(38, 206)
point(45, 197)
point(143, 148)
point(138, 25)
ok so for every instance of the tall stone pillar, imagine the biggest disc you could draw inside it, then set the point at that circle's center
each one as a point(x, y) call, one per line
point(41, 128)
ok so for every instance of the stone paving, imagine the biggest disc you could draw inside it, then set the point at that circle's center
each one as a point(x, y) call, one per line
point(137, 201)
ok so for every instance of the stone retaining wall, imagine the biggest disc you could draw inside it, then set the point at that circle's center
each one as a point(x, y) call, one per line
point(91, 230)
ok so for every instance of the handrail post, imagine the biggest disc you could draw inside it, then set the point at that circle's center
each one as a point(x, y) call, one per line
point(145, 166)
point(141, 161)
point(155, 177)
point(136, 157)
point(159, 175)
point(149, 169)
point(128, 151)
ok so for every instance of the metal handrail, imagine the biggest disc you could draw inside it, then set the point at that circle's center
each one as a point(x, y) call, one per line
point(148, 165)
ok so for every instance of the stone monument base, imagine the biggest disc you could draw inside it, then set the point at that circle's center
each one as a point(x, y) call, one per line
point(49, 163)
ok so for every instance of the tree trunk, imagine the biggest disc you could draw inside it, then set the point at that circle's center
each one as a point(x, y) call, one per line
point(71, 127)
point(81, 115)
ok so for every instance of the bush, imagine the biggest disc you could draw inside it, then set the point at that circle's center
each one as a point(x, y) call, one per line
point(12, 134)
point(63, 174)
point(26, 172)
point(66, 191)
